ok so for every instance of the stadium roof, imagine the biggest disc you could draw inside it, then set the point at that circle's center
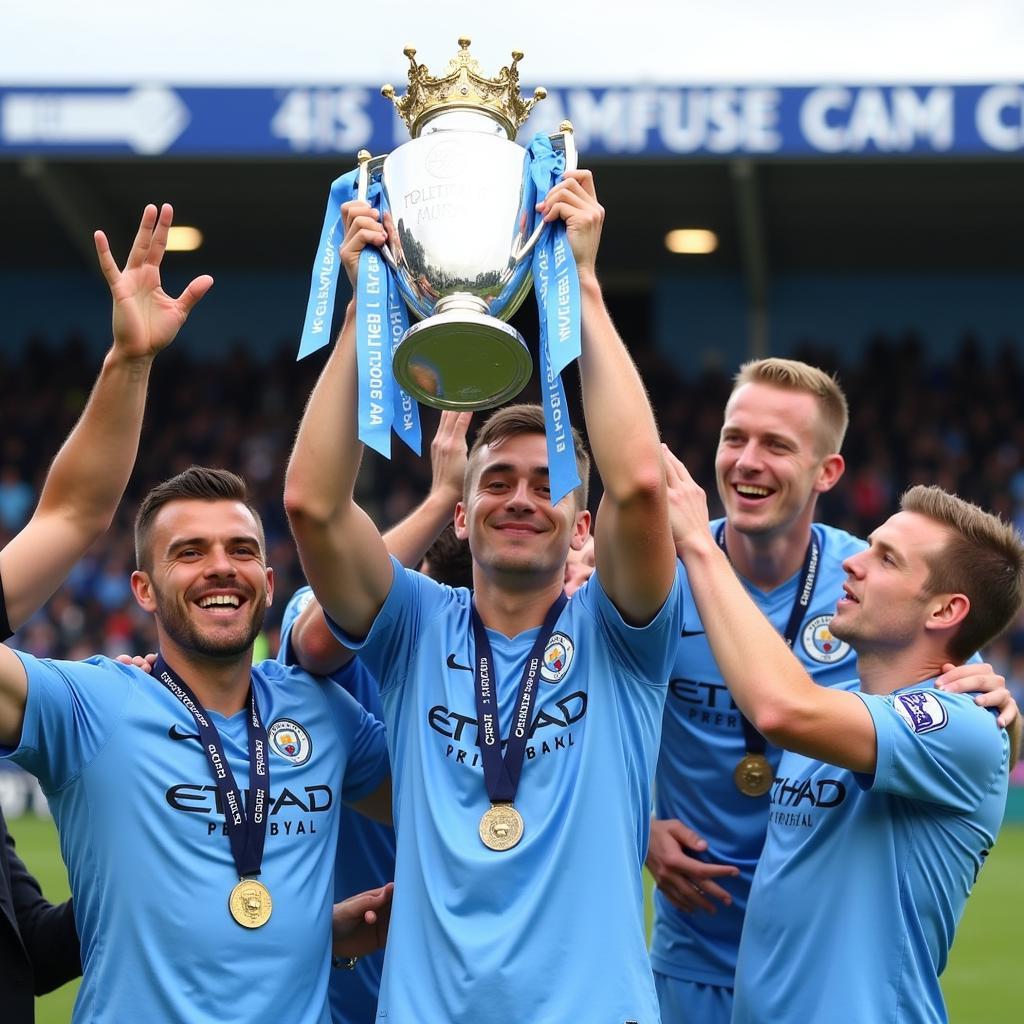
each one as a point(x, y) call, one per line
point(772, 217)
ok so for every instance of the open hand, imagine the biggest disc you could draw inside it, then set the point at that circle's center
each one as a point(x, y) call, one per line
point(688, 884)
point(360, 924)
point(449, 455)
point(146, 318)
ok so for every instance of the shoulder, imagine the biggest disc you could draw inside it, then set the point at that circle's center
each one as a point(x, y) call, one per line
point(429, 598)
point(937, 747)
point(411, 589)
point(952, 721)
point(924, 709)
point(276, 673)
point(297, 604)
point(90, 668)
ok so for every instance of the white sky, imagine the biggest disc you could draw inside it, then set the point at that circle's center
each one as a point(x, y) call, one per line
point(274, 42)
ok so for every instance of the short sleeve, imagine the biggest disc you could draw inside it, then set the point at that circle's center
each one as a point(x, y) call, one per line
point(387, 650)
point(646, 652)
point(936, 747)
point(71, 711)
point(366, 764)
point(295, 607)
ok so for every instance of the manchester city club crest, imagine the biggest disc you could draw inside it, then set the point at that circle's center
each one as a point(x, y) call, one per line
point(820, 643)
point(557, 658)
point(290, 740)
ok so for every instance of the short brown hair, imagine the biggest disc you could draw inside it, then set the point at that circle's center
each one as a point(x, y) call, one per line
point(983, 559)
point(197, 483)
point(793, 375)
point(513, 420)
point(448, 560)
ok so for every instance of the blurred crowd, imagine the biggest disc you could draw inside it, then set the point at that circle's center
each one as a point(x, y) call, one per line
point(912, 421)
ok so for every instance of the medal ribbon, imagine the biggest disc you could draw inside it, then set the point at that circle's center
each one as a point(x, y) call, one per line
point(756, 743)
point(246, 832)
point(560, 319)
point(501, 774)
point(381, 320)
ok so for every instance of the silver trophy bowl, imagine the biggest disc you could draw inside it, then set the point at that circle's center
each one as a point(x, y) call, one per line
point(458, 203)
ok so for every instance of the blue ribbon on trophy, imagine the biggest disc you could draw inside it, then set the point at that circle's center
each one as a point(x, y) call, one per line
point(381, 320)
point(554, 273)
point(463, 244)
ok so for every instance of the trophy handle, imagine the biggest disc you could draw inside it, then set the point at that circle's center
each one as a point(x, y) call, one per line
point(563, 140)
point(369, 168)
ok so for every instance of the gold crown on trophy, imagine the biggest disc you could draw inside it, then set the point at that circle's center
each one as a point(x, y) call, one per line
point(463, 85)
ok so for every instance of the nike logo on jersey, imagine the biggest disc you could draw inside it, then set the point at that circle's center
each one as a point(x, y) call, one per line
point(176, 735)
point(684, 633)
point(452, 663)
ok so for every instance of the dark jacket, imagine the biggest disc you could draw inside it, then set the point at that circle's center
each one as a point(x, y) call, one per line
point(38, 943)
point(39, 948)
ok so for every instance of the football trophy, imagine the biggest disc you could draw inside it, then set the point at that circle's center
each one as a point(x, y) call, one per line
point(458, 202)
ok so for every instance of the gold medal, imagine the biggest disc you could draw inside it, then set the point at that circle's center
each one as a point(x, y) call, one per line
point(250, 903)
point(753, 775)
point(501, 827)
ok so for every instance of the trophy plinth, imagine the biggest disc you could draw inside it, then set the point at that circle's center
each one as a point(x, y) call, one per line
point(458, 201)
point(462, 358)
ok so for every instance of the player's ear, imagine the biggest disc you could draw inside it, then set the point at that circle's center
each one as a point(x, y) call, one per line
point(580, 530)
point(459, 521)
point(142, 591)
point(832, 468)
point(947, 611)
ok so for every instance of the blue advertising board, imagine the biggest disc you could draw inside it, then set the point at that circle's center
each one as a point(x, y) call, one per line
point(641, 120)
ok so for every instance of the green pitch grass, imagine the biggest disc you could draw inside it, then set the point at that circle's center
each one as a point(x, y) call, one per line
point(980, 982)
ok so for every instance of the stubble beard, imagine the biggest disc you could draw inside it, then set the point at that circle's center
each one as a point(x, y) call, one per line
point(182, 630)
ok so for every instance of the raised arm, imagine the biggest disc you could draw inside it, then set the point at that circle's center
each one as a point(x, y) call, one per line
point(410, 539)
point(315, 646)
point(13, 695)
point(91, 470)
point(342, 553)
point(634, 553)
point(764, 677)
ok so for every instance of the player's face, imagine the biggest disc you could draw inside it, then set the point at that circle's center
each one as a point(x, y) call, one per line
point(884, 603)
point(508, 516)
point(768, 466)
point(209, 586)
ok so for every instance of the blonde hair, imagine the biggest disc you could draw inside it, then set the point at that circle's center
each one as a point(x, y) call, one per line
point(983, 559)
point(793, 375)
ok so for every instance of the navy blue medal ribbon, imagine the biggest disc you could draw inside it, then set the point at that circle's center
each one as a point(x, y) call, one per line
point(247, 830)
point(501, 773)
point(756, 743)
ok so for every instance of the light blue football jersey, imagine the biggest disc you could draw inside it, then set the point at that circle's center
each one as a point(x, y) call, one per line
point(150, 865)
point(863, 879)
point(701, 744)
point(366, 849)
point(553, 929)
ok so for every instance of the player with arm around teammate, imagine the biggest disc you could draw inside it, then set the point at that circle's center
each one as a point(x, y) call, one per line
point(778, 451)
point(890, 792)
